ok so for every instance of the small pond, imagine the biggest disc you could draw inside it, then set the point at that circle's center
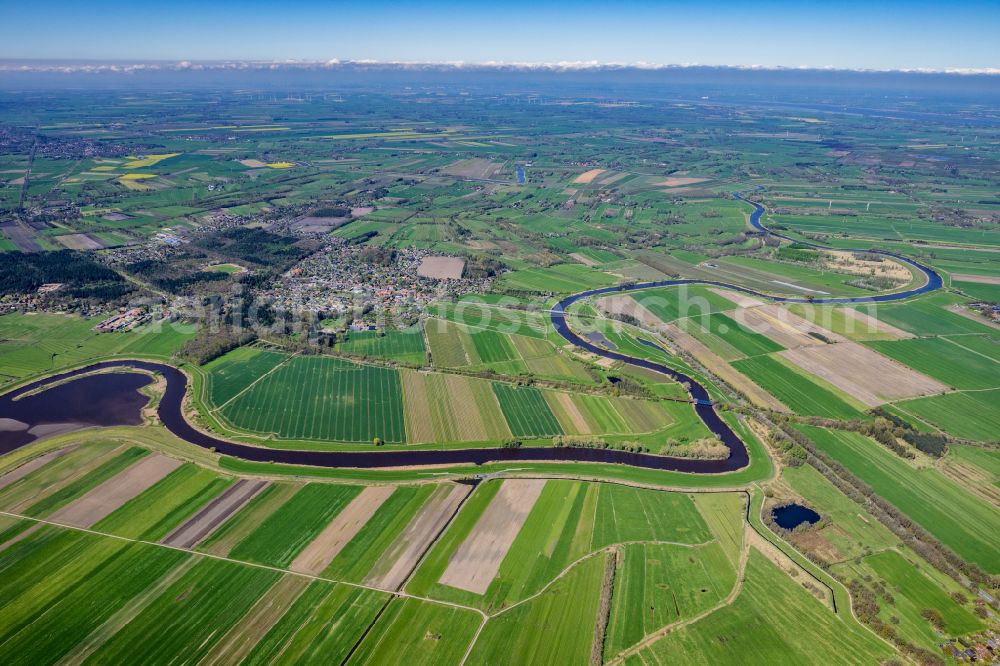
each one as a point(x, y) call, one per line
point(792, 515)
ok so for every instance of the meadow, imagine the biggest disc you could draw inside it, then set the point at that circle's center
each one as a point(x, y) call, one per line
point(36, 343)
point(526, 411)
point(567, 609)
point(771, 619)
point(938, 504)
point(951, 413)
point(400, 345)
point(946, 359)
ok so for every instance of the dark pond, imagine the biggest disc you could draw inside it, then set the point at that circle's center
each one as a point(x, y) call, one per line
point(791, 516)
point(95, 400)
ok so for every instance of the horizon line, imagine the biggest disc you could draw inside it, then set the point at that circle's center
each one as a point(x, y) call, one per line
point(132, 66)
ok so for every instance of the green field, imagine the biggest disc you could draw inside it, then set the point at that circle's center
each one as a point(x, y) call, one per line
point(567, 610)
point(79, 485)
point(450, 344)
point(154, 513)
point(773, 620)
point(45, 480)
point(359, 555)
point(37, 343)
point(325, 399)
point(944, 359)
point(190, 615)
point(492, 347)
point(419, 633)
point(928, 316)
point(401, 345)
point(951, 412)
point(660, 584)
point(634, 514)
point(737, 336)
point(568, 521)
point(912, 591)
point(526, 411)
point(324, 623)
point(939, 505)
point(852, 529)
point(845, 542)
point(793, 389)
point(34, 604)
point(279, 538)
point(230, 375)
point(672, 303)
point(564, 278)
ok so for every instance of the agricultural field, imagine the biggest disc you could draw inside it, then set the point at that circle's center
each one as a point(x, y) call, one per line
point(372, 265)
point(564, 278)
point(233, 373)
point(451, 408)
point(512, 537)
point(435, 406)
point(279, 538)
point(565, 541)
point(526, 411)
point(771, 619)
point(946, 359)
point(950, 413)
point(323, 398)
point(673, 303)
point(937, 503)
point(403, 345)
point(845, 542)
point(801, 394)
point(39, 343)
point(513, 354)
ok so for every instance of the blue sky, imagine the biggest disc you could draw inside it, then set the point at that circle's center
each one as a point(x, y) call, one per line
point(892, 35)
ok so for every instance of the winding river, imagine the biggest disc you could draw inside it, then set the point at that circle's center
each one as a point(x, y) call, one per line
point(114, 399)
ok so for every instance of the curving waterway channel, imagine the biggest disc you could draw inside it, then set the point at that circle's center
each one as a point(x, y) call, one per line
point(106, 399)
